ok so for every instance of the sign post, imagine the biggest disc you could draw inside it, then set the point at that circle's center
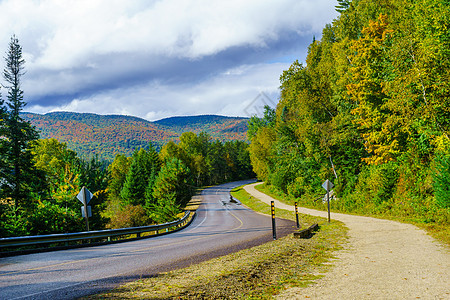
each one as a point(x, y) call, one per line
point(85, 196)
point(328, 185)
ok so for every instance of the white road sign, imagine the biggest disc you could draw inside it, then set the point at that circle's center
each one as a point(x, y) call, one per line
point(84, 195)
point(327, 185)
point(89, 212)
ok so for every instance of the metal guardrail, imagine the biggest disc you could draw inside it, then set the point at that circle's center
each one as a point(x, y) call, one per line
point(76, 236)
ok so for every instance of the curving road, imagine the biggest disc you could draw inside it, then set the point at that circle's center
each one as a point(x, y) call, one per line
point(220, 228)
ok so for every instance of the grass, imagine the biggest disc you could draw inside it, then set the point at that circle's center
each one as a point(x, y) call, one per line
point(195, 202)
point(256, 273)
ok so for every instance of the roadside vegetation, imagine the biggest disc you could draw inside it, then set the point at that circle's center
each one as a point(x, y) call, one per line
point(370, 111)
point(260, 272)
point(439, 231)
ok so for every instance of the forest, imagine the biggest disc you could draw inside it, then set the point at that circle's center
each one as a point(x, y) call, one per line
point(107, 135)
point(146, 188)
point(368, 110)
point(41, 177)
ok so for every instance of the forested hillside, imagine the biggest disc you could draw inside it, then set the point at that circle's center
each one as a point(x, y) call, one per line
point(228, 128)
point(106, 136)
point(369, 110)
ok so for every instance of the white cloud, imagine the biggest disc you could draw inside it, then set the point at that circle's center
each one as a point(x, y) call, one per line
point(115, 56)
point(69, 32)
point(227, 94)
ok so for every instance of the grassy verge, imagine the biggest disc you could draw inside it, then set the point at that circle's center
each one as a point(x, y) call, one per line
point(195, 201)
point(440, 232)
point(256, 273)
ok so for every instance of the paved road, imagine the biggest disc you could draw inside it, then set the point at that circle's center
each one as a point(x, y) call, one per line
point(217, 230)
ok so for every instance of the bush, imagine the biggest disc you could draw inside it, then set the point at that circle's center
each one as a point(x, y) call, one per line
point(12, 222)
point(441, 181)
point(129, 216)
point(50, 218)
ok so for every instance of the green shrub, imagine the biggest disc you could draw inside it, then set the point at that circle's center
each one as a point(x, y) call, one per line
point(12, 221)
point(441, 181)
point(129, 216)
point(50, 218)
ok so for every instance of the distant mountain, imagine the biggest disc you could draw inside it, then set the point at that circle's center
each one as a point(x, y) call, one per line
point(215, 125)
point(108, 135)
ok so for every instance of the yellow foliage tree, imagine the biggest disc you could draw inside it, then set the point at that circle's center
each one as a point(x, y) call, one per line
point(380, 127)
point(260, 151)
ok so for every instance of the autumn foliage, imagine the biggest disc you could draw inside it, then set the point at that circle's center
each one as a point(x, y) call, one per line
point(370, 110)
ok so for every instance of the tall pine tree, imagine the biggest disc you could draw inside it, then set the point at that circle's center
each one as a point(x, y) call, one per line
point(144, 166)
point(2, 143)
point(18, 172)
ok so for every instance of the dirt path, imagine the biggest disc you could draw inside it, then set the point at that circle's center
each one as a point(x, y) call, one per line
point(383, 260)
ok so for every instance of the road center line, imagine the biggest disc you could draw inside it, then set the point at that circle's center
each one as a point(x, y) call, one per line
point(133, 251)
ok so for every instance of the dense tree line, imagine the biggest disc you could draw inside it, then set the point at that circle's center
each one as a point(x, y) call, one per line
point(369, 110)
point(38, 178)
point(152, 187)
point(51, 206)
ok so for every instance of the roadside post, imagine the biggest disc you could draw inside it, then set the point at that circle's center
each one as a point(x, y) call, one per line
point(274, 230)
point(328, 185)
point(296, 215)
point(85, 196)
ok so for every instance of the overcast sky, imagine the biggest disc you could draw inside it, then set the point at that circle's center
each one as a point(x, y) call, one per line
point(155, 59)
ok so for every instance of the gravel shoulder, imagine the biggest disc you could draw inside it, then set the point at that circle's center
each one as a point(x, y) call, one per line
point(383, 260)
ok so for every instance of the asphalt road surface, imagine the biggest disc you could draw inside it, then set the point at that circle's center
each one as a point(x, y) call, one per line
point(220, 228)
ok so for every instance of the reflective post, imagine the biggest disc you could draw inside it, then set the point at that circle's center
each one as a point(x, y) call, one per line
point(296, 215)
point(328, 200)
point(274, 230)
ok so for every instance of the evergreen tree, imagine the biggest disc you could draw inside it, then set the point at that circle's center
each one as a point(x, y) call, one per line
point(2, 143)
point(343, 5)
point(216, 162)
point(255, 123)
point(135, 182)
point(143, 164)
point(172, 189)
point(19, 175)
point(149, 199)
point(118, 170)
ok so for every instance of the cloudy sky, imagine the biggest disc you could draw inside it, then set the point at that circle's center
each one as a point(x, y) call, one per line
point(156, 59)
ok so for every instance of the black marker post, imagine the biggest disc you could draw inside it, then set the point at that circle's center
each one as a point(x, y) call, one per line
point(274, 229)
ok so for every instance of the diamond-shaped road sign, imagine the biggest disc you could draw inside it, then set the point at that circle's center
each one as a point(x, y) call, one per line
point(327, 185)
point(84, 196)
